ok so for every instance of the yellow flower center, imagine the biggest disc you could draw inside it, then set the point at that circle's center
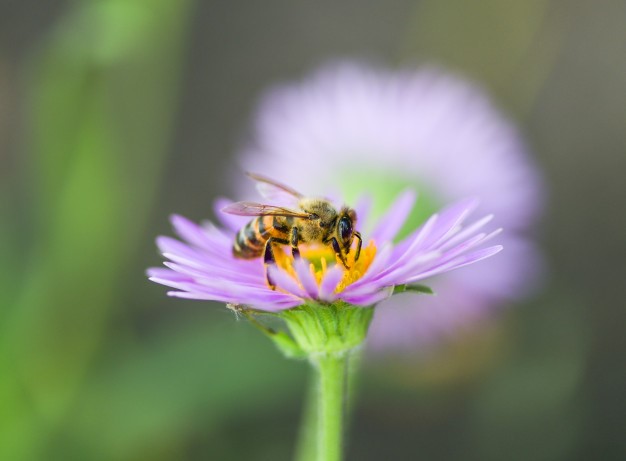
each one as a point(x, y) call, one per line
point(321, 257)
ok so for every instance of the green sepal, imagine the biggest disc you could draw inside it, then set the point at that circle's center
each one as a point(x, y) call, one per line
point(328, 329)
point(313, 329)
point(413, 288)
point(287, 345)
point(281, 339)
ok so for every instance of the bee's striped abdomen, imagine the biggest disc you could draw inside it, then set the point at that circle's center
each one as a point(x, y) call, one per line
point(251, 239)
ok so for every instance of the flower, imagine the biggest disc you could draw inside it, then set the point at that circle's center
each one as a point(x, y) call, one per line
point(376, 131)
point(203, 266)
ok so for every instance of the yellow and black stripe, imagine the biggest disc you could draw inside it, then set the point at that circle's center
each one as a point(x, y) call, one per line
point(251, 239)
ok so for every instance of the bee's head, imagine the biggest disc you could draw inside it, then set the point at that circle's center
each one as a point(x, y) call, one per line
point(345, 227)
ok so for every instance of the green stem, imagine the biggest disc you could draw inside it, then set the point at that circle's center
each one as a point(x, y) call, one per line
point(331, 370)
point(327, 334)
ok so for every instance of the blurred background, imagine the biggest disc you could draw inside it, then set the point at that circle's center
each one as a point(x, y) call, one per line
point(115, 114)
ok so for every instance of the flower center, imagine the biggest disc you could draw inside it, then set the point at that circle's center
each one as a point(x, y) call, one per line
point(322, 257)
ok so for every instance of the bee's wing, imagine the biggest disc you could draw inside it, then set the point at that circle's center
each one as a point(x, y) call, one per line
point(275, 191)
point(258, 209)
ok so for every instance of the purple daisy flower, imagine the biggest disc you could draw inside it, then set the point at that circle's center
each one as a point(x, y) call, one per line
point(373, 131)
point(203, 266)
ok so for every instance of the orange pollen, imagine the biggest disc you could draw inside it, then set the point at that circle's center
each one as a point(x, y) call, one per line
point(322, 257)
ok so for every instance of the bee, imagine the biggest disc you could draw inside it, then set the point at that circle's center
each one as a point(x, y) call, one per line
point(314, 220)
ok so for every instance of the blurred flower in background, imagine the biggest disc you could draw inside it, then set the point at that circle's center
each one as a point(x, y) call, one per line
point(366, 129)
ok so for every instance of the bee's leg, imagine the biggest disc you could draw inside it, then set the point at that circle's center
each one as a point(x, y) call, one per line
point(268, 257)
point(358, 246)
point(294, 243)
point(337, 249)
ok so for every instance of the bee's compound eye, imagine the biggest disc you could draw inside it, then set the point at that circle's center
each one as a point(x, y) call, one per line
point(345, 228)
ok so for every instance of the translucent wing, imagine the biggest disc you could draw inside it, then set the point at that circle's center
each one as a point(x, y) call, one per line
point(275, 191)
point(258, 209)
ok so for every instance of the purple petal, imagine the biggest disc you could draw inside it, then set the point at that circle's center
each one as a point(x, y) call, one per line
point(186, 285)
point(285, 282)
point(170, 245)
point(329, 283)
point(275, 306)
point(449, 220)
point(378, 264)
point(212, 272)
point(390, 224)
point(219, 236)
point(303, 269)
point(208, 254)
point(368, 299)
point(194, 295)
point(400, 273)
point(232, 222)
point(421, 262)
point(466, 232)
point(187, 260)
point(464, 247)
point(160, 273)
point(407, 250)
point(459, 262)
point(233, 292)
point(191, 232)
point(412, 250)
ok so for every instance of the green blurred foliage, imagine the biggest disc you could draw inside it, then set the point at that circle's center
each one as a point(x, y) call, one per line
point(101, 102)
point(97, 364)
point(146, 398)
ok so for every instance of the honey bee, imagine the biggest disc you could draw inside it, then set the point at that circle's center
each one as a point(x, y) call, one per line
point(315, 220)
